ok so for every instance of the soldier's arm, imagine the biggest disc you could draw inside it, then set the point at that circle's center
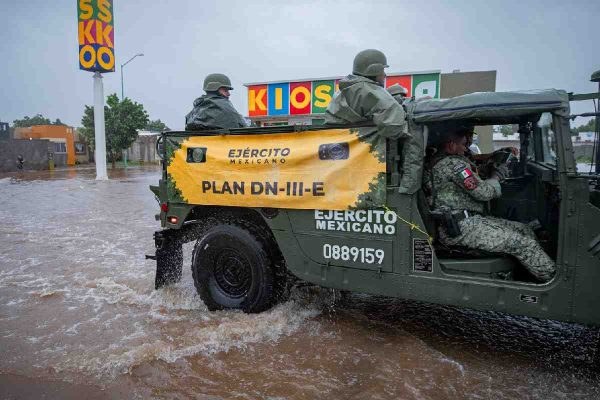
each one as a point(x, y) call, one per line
point(232, 118)
point(205, 116)
point(388, 115)
point(463, 176)
point(340, 111)
point(192, 123)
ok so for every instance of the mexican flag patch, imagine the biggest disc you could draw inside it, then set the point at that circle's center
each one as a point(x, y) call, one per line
point(465, 173)
point(469, 180)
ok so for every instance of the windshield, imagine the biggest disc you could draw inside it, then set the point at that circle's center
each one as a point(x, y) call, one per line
point(548, 139)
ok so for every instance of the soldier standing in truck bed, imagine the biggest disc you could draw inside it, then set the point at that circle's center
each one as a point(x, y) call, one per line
point(363, 98)
point(214, 110)
point(457, 189)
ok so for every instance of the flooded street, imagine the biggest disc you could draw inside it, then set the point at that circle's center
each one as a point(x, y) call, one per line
point(79, 318)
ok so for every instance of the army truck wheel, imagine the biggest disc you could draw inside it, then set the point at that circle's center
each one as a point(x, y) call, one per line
point(231, 269)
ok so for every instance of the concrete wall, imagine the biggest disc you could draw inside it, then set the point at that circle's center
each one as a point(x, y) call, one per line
point(60, 159)
point(506, 143)
point(459, 83)
point(584, 150)
point(143, 149)
point(34, 152)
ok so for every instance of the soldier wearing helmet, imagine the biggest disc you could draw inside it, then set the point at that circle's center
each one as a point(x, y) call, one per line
point(214, 110)
point(398, 92)
point(363, 98)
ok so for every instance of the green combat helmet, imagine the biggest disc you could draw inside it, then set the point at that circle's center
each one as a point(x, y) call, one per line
point(369, 62)
point(213, 82)
point(397, 90)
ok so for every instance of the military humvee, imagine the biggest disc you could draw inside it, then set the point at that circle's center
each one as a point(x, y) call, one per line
point(247, 251)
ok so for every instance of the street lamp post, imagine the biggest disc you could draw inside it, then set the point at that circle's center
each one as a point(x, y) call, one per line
point(123, 93)
point(122, 65)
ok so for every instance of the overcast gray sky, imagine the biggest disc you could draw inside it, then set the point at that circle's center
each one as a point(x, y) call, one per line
point(532, 44)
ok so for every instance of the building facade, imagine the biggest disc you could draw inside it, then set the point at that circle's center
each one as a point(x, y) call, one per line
point(62, 139)
point(304, 101)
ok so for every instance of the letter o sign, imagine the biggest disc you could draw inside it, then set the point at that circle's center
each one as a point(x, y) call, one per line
point(106, 59)
point(87, 56)
point(300, 90)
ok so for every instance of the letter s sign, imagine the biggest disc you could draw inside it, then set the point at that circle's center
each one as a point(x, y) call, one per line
point(96, 35)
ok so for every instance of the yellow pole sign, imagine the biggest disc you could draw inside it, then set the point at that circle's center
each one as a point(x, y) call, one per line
point(331, 169)
point(96, 35)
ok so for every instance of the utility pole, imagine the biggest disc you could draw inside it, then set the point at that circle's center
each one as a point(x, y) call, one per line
point(122, 65)
point(123, 95)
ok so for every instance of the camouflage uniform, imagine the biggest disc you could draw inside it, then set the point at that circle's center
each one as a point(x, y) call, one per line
point(455, 186)
point(362, 99)
point(213, 111)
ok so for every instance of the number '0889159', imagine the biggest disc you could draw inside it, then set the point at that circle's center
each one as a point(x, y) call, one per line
point(365, 255)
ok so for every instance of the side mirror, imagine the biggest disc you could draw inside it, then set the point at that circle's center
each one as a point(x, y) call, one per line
point(160, 147)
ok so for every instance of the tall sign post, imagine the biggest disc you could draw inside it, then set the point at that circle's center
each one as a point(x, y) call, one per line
point(97, 54)
point(99, 124)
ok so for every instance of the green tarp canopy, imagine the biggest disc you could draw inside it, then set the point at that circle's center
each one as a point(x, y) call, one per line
point(491, 106)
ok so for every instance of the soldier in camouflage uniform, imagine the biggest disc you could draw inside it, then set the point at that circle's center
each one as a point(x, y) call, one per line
point(456, 188)
point(363, 98)
point(214, 110)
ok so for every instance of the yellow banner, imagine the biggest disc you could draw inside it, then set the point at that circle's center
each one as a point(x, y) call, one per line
point(331, 169)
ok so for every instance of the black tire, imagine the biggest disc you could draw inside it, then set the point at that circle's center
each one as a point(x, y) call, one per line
point(232, 270)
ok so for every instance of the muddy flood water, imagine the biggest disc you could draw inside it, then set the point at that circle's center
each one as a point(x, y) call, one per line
point(80, 319)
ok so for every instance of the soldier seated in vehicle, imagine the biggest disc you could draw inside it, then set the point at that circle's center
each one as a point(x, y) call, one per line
point(485, 162)
point(459, 195)
point(214, 110)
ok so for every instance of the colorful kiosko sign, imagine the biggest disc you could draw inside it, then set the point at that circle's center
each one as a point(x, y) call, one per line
point(331, 169)
point(313, 96)
point(96, 35)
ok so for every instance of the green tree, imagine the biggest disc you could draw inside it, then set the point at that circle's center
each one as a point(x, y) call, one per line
point(58, 122)
point(37, 119)
point(589, 126)
point(122, 121)
point(505, 130)
point(156, 126)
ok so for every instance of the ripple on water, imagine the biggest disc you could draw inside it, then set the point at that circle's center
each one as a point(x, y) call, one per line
point(219, 332)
